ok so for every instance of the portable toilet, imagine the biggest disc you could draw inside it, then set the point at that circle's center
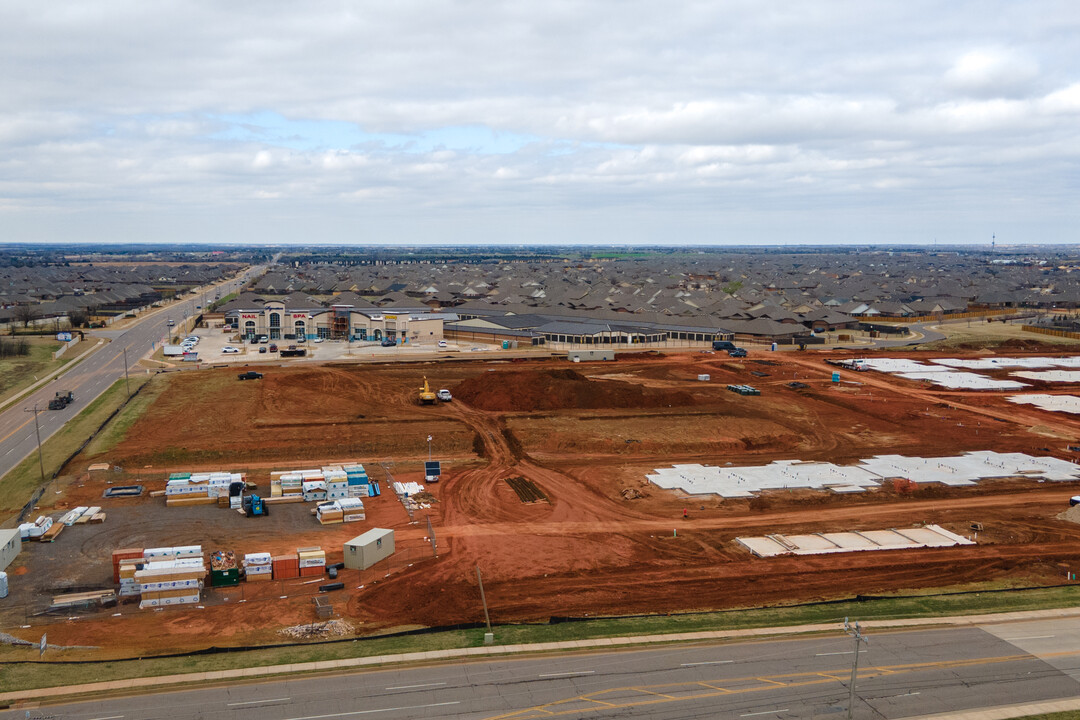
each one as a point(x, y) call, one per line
point(3, 584)
point(774, 347)
point(506, 344)
point(836, 377)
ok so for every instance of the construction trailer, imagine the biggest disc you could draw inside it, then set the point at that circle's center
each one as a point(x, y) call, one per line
point(11, 546)
point(365, 550)
point(590, 355)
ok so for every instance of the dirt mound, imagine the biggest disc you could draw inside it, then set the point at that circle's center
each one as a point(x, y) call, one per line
point(525, 390)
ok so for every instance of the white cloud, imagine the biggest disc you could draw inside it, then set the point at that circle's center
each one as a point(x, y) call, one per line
point(639, 116)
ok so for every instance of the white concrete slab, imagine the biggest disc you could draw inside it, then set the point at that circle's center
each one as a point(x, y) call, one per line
point(855, 541)
point(1050, 403)
point(956, 471)
point(1066, 376)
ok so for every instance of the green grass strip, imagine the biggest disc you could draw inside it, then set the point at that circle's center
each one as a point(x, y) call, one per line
point(19, 484)
point(55, 672)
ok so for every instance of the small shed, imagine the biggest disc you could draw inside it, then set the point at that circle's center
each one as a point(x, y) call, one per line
point(365, 550)
point(10, 546)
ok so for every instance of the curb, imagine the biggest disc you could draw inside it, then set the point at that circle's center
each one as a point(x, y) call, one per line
point(503, 650)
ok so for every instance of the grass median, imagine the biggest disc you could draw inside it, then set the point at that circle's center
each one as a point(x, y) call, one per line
point(19, 484)
point(56, 672)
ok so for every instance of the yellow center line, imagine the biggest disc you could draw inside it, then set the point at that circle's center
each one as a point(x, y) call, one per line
point(17, 429)
point(785, 680)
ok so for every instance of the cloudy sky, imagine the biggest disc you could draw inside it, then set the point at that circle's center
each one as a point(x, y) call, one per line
point(563, 121)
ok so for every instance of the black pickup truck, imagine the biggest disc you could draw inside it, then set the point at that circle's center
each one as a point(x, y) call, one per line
point(249, 375)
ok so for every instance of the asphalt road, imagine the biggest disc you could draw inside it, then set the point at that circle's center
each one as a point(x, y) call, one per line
point(89, 378)
point(902, 674)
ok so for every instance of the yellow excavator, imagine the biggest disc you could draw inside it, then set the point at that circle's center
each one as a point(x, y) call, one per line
point(427, 397)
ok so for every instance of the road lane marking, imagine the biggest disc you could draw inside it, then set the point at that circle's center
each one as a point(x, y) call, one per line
point(767, 712)
point(564, 674)
point(708, 662)
point(368, 712)
point(700, 690)
point(410, 687)
point(256, 702)
point(1030, 637)
point(845, 652)
point(111, 717)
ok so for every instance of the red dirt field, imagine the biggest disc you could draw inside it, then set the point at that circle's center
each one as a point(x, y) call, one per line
point(588, 551)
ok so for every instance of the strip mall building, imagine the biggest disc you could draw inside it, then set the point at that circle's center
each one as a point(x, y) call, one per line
point(338, 322)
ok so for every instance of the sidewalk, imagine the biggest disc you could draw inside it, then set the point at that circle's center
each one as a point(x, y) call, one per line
point(164, 681)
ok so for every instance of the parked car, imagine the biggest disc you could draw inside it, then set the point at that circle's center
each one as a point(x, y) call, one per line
point(442, 343)
point(249, 375)
point(264, 338)
point(723, 345)
point(736, 352)
point(262, 350)
point(230, 350)
point(389, 342)
point(445, 395)
point(273, 347)
point(318, 339)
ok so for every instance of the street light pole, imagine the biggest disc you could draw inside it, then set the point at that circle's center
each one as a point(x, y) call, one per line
point(37, 431)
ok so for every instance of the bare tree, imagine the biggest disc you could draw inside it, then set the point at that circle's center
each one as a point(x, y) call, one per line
point(25, 314)
point(78, 318)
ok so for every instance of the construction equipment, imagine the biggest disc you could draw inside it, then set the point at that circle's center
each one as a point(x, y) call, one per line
point(62, 400)
point(254, 506)
point(427, 397)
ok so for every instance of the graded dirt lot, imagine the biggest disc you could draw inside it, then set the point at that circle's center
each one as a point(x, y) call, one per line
point(585, 435)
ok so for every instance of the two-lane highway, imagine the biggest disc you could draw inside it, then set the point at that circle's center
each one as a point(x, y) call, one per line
point(901, 675)
point(89, 378)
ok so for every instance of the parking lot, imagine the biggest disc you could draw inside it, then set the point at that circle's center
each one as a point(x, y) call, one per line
point(213, 341)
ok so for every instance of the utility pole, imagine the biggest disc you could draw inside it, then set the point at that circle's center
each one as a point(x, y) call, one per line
point(37, 431)
point(856, 633)
point(127, 380)
point(483, 599)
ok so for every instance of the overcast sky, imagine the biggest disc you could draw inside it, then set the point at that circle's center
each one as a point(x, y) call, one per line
point(711, 122)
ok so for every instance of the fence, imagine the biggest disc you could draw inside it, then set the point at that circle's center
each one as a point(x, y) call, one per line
point(1051, 331)
point(64, 348)
point(268, 595)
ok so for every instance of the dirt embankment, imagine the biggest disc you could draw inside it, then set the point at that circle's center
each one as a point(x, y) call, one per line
point(527, 390)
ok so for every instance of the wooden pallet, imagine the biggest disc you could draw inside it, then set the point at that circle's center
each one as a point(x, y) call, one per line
point(527, 491)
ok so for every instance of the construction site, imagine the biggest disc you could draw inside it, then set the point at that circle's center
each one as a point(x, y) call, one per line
point(578, 489)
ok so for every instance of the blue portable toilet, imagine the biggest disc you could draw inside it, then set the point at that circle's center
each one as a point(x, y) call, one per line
point(836, 377)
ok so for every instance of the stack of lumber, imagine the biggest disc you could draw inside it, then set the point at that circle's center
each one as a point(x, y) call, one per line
point(357, 483)
point(312, 561)
point(198, 488)
point(258, 567)
point(168, 576)
point(339, 511)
